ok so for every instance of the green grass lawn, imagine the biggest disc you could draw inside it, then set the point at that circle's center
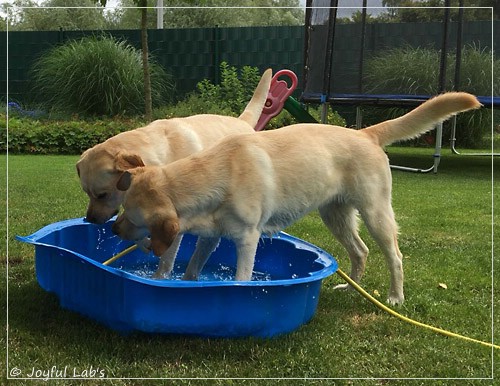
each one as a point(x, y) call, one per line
point(446, 237)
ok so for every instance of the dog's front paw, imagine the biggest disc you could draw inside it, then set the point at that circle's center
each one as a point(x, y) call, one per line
point(144, 245)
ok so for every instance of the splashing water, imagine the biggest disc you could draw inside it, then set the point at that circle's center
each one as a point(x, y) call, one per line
point(100, 238)
point(209, 273)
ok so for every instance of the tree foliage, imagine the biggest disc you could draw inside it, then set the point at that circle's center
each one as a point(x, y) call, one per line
point(272, 14)
point(419, 11)
point(26, 15)
point(415, 11)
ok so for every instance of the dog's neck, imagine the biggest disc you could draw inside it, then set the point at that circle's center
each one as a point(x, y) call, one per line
point(185, 179)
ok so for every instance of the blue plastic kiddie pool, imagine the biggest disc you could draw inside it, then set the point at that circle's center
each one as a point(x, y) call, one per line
point(282, 295)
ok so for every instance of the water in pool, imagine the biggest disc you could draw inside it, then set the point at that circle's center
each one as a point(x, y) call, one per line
point(209, 272)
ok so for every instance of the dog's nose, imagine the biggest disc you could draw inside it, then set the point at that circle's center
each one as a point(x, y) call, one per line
point(92, 218)
point(97, 219)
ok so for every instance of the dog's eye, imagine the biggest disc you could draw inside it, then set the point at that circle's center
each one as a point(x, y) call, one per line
point(102, 196)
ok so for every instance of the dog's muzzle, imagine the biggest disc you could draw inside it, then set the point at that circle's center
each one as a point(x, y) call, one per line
point(98, 220)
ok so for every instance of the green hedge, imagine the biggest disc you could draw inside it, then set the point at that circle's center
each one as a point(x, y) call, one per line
point(28, 136)
point(32, 136)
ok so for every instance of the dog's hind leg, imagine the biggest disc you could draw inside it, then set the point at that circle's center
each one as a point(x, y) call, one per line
point(167, 260)
point(379, 218)
point(342, 221)
point(204, 248)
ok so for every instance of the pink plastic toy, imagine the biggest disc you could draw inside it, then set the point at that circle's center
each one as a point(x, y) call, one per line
point(279, 91)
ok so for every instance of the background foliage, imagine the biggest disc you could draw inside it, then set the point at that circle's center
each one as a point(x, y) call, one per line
point(41, 136)
point(34, 132)
point(416, 11)
point(97, 76)
point(415, 71)
point(228, 97)
point(30, 16)
point(397, 11)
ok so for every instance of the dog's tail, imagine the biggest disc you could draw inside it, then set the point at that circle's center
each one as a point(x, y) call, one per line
point(253, 110)
point(423, 118)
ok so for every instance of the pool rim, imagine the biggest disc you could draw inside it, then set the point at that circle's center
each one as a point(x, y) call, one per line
point(329, 263)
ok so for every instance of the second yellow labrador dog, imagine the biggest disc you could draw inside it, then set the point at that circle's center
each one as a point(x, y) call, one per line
point(260, 183)
point(161, 142)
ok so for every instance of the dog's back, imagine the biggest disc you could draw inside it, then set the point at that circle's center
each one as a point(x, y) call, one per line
point(166, 140)
point(301, 167)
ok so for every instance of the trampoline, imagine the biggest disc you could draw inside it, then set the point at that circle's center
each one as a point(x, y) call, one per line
point(318, 81)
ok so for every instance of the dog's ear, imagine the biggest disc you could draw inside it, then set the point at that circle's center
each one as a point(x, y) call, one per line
point(126, 161)
point(163, 234)
point(82, 157)
point(124, 181)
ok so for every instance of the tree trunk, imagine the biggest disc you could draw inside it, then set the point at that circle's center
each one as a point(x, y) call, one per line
point(145, 63)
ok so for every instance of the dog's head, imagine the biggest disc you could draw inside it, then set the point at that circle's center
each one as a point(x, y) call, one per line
point(99, 170)
point(147, 210)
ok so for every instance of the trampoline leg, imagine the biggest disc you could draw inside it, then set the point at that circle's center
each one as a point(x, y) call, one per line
point(439, 143)
point(324, 113)
point(359, 117)
point(437, 155)
point(453, 139)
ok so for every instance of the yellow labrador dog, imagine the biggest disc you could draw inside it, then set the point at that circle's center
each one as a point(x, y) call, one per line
point(161, 142)
point(250, 184)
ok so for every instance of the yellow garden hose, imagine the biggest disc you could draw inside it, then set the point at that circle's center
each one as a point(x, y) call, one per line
point(365, 295)
point(406, 319)
point(122, 253)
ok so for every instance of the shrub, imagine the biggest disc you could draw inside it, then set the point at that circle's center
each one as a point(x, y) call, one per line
point(97, 75)
point(192, 104)
point(415, 71)
point(230, 97)
point(409, 70)
point(284, 118)
point(29, 136)
point(234, 91)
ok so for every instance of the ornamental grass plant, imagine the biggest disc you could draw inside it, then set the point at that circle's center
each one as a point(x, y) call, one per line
point(97, 75)
point(415, 71)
